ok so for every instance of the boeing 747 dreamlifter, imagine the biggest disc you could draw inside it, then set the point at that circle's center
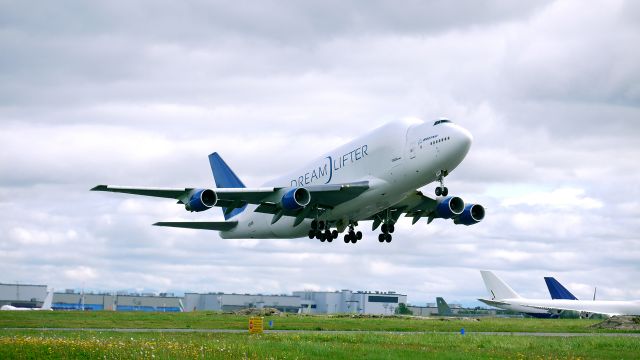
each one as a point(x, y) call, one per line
point(372, 178)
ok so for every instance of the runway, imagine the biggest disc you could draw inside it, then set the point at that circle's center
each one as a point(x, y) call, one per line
point(238, 331)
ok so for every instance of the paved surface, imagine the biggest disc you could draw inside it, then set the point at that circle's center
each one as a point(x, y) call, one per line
point(328, 332)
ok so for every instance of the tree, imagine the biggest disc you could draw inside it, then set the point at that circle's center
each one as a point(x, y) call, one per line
point(402, 309)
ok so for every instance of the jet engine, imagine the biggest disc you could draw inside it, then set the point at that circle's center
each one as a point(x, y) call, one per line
point(295, 199)
point(472, 214)
point(449, 207)
point(201, 200)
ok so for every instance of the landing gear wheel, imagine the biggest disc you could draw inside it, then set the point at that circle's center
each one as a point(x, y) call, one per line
point(384, 228)
point(388, 238)
point(334, 234)
point(322, 239)
point(328, 235)
point(321, 225)
point(346, 238)
point(312, 234)
point(318, 234)
point(352, 237)
point(438, 191)
point(359, 235)
point(445, 191)
point(314, 225)
point(381, 237)
point(391, 228)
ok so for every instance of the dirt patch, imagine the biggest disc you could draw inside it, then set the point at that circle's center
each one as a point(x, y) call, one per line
point(619, 323)
point(258, 312)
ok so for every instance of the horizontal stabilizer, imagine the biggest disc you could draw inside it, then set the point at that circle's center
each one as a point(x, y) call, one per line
point(201, 225)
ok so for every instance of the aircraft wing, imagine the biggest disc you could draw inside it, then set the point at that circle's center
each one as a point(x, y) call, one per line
point(268, 199)
point(578, 307)
point(414, 205)
point(226, 196)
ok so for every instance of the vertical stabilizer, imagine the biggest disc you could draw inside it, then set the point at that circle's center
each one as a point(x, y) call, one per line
point(225, 178)
point(443, 307)
point(497, 288)
point(558, 291)
point(48, 300)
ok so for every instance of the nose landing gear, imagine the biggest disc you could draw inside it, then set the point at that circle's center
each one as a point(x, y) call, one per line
point(442, 190)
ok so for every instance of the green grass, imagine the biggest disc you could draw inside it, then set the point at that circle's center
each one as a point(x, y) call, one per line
point(212, 320)
point(26, 344)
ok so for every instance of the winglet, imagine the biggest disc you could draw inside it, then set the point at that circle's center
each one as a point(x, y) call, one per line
point(558, 291)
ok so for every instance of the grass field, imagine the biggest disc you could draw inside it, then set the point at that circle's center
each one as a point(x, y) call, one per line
point(213, 320)
point(36, 344)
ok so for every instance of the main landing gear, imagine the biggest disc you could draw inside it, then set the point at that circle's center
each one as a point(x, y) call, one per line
point(352, 236)
point(320, 230)
point(442, 190)
point(387, 229)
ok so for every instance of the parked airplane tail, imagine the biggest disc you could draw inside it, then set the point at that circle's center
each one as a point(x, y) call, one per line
point(443, 307)
point(225, 178)
point(558, 291)
point(496, 287)
point(48, 300)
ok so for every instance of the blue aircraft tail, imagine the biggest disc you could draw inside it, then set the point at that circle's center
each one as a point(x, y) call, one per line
point(558, 291)
point(225, 178)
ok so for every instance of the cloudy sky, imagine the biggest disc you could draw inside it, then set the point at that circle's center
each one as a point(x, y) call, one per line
point(139, 93)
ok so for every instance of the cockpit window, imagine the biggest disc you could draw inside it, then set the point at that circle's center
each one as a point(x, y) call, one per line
point(441, 121)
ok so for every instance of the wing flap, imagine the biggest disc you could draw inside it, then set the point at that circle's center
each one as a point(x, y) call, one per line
point(201, 225)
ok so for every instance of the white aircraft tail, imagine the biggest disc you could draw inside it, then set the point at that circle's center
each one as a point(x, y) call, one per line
point(48, 301)
point(496, 287)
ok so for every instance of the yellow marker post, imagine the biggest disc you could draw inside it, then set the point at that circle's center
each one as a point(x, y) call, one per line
point(255, 325)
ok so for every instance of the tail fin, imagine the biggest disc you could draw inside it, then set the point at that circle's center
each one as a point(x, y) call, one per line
point(48, 301)
point(443, 307)
point(225, 178)
point(496, 287)
point(558, 291)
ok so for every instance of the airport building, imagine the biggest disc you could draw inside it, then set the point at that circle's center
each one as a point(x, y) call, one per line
point(22, 295)
point(310, 302)
point(347, 301)
point(234, 302)
point(71, 300)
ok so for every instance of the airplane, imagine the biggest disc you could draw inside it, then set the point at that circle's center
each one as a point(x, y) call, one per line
point(375, 178)
point(503, 296)
point(46, 305)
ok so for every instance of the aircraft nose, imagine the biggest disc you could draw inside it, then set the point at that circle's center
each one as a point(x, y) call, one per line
point(464, 138)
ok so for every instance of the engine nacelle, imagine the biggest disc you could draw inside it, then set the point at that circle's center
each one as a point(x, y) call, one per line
point(201, 200)
point(449, 207)
point(295, 199)
point(472, 214)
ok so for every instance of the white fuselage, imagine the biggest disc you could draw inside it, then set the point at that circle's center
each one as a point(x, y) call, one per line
point(396, 159)
point(607, 307)
point(541, 306)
